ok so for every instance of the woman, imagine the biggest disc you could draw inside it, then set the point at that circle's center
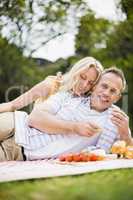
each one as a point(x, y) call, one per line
point(77, 80)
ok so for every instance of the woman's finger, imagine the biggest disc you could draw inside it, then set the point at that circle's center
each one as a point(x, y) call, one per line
point(94, 125)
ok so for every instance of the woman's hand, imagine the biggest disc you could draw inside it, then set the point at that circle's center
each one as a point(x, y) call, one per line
point(6, 107)
point(86, 128)
point(56, 82)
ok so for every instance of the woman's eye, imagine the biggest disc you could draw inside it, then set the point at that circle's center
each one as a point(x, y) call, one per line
point(91, 82)
point(83, 77)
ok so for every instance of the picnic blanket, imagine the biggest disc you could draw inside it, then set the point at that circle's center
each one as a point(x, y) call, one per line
point(22, 170)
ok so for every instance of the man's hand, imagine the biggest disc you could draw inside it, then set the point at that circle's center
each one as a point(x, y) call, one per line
point(86, 128)
point(121, 120)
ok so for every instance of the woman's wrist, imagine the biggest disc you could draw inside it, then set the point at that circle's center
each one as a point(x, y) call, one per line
point(74, 127)
point(13, 106)
point(70, 127)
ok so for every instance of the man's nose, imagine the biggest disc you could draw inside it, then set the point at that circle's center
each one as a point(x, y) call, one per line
point(107, 92)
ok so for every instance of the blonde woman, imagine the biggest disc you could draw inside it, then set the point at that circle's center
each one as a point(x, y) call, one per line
point(78, 80)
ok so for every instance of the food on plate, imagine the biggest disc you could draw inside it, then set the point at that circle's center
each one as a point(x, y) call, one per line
point(119, 148)
point(99, 152)
point(129, 152)
point(81, 157)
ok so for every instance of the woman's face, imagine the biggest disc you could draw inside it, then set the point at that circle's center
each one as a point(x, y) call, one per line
point(84, 80)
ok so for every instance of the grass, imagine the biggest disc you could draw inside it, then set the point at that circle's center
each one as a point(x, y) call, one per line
point(103, 185)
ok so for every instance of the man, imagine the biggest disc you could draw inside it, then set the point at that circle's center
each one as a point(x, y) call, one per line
point(61, 124)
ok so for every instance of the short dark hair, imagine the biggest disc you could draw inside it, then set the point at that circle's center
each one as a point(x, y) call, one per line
point(118, 72)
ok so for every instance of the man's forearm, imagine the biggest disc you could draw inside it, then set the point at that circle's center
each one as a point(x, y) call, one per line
point(49, 123)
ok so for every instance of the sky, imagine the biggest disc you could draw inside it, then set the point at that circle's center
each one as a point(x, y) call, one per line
point(64, 46)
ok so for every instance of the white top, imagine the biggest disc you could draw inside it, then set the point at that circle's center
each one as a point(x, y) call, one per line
point(39, 145)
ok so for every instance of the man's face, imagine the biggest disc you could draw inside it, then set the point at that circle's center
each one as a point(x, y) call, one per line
point(106, 92)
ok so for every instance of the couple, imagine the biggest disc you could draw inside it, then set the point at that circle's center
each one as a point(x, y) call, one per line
point(69, 120)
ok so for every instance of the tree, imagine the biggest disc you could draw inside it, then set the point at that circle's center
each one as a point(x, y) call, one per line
point(15, 70)
point(111, 43)
point(19, 73)
point(92, 35)
point(33, 23)
point(127, 7)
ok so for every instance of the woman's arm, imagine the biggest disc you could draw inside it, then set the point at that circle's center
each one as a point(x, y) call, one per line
point(46, 121)
point(42, 89)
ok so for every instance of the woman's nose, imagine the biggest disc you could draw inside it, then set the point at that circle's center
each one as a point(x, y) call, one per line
point(86, 84)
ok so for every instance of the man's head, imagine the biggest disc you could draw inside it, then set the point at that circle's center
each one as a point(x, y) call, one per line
point(108, 90)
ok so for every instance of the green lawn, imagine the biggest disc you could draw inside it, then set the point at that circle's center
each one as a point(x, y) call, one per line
point(103, 185)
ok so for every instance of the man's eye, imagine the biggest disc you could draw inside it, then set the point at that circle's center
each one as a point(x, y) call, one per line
point(113, 91)
point(104, 86)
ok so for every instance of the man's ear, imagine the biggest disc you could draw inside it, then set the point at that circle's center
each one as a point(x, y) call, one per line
point(118, 98)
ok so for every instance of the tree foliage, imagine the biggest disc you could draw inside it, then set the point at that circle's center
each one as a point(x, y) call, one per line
point(19, 73)
point(127, 7)
point(12, 8)
point(118, 44)
point(92, 34)
point(15, 70)
point(33, 23)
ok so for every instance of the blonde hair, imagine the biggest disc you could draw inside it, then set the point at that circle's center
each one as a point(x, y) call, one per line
point(87, 62)
point(68, 78)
